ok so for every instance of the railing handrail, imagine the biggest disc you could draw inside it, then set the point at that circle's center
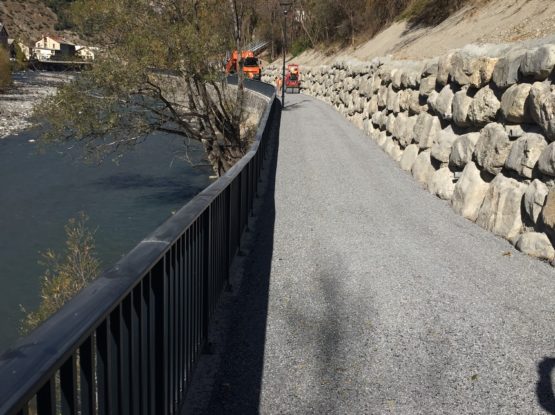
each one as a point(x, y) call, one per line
point(32, 360)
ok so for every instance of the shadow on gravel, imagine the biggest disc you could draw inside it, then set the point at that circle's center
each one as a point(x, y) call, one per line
point(544, 387)
point(293, 106)
point(230, 379)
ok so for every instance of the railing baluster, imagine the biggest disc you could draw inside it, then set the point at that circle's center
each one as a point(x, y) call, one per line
point(46, 398)
point(68, 386)
point(125, 356)
point(86, 384)
point(136, 373)
point(104, 368)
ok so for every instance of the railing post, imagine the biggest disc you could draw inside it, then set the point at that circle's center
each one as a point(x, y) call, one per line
point(207, 257)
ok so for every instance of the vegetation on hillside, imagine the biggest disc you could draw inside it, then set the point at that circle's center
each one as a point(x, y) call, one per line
point(65, 274)
point(61, 8)
point(313, 23)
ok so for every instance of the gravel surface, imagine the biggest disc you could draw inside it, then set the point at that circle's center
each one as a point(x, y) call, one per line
point(363, 294)
point(29, 88)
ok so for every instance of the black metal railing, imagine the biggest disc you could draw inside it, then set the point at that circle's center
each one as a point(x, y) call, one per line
point(128, 343)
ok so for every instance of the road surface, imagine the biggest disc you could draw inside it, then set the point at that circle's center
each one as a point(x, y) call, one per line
point(361, 293)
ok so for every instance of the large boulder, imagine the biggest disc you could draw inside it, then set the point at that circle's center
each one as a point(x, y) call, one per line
point(392, 100)
point(463, 148)
point(493, 148)
point(410, 79)
point(500, 212)
point(390, 125)
point(548, 212)
point(422, 169)
point(534, 199)
point(443, 105)
point(393, 150)
point(469, 192)
point(409, 157)
point(542, 108)
point(441, 149)
point(461, 106)
point(538, 63)
point(415, 107)
point(426, 130)
point(432, 98)
point(536, 244)
point(507, 68)
point(514, 103)
point(427, 85)
point(525, 153)
point(382, 97)
point(471, 70)
point(484, 107)
point(546, 162)
point(405, 136)
point(441, 183)
point(443, 69)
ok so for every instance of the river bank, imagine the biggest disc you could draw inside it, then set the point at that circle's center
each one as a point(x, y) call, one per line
point(29, 88)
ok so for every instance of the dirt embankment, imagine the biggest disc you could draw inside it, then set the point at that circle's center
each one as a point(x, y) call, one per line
point(498, 21)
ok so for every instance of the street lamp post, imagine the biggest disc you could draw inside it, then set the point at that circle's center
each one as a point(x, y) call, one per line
point(285, 5)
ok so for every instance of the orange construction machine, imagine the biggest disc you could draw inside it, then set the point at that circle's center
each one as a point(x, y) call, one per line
point(248, 63)
point(293, 78)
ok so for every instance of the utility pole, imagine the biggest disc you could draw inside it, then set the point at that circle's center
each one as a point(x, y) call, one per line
point(285, 5)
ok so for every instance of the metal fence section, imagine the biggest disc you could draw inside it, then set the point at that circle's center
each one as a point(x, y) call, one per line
point(129, 342)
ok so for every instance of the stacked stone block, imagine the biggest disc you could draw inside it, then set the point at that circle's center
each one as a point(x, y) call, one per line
point(475, 127)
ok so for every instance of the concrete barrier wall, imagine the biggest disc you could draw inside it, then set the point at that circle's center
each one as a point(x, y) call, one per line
point(475, 127)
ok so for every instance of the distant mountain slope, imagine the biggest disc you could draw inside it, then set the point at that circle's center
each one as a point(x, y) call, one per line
point(27, 20)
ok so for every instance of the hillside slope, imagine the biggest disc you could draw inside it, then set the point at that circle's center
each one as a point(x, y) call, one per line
point(498, 21)
point(27, 20)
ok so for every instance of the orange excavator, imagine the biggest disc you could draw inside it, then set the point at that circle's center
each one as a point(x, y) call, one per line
point(293, 78)
point(249, 64)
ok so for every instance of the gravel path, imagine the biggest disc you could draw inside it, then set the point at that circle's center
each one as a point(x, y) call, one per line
point(364, 294)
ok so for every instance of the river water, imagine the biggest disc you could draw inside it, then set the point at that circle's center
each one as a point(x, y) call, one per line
point(40, 191)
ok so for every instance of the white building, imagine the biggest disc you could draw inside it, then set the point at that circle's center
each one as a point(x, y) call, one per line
point(85, 52)
point(51, 45)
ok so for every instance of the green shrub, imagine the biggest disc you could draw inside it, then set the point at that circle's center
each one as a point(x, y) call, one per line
point(5, 70)
point(299, 45)
point(65, 275)
point(431, 12)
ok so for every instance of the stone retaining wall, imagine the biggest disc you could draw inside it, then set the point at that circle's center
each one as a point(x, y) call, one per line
point(475, 127)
